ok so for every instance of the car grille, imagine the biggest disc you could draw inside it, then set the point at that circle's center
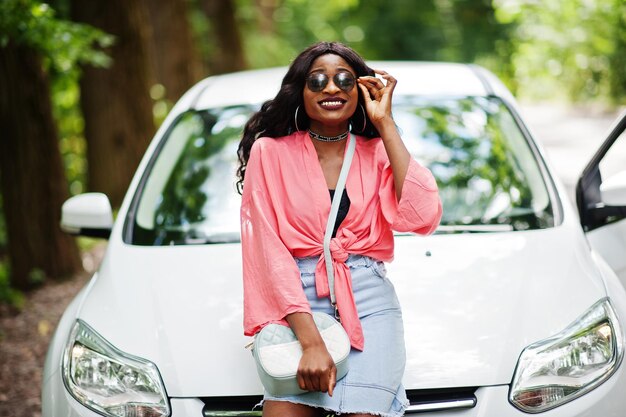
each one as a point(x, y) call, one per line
point(421, 401)
point(440, 399)
point(231, 406)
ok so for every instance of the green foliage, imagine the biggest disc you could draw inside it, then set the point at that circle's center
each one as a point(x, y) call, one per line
point(8, 295)
point(617, 60)
point(296, 24)
point(70, 124)
point(63, 45)
point(568, 49)
point(571, 49)
point(441, 30)
point(62, 42)
point(86, 244)
point(36, 276)
point(200, 29)
point(450, 30)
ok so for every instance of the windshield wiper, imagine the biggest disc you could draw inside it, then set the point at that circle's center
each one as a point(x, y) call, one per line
point(201, 239)
point(474, 228)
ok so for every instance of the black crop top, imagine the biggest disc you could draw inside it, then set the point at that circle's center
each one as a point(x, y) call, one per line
point(344, 206)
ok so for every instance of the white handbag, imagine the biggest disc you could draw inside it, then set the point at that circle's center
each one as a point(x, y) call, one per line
point(277, 353)
point(276, 348)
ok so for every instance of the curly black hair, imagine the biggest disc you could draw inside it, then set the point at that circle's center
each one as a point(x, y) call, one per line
point(276, 117)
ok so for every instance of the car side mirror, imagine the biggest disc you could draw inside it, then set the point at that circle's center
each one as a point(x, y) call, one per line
point(602, 201)
point(87, 214)
point(613, 190)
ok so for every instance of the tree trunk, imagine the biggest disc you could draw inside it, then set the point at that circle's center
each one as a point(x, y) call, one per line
point(265, 16)
point(32, 176)
point(115, 101)
point(229, 52)
point(175, 60)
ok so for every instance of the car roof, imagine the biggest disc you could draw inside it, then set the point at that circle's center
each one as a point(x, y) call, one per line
point(414, 78)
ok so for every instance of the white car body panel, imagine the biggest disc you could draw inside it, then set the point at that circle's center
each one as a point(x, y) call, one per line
point(500, 292)
point(184, 312)
point(610, 242)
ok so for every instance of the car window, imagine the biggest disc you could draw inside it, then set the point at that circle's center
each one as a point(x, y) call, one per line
point(189, 195)
point(488, 177)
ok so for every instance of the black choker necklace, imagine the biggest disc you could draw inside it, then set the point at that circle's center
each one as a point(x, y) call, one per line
point(328, 138)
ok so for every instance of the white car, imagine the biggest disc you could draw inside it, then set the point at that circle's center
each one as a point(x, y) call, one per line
point(511, 307)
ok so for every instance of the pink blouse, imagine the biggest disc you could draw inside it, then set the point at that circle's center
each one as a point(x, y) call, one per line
point(284, 210)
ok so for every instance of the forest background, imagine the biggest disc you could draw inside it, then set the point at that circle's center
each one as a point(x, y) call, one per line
point(84, 84)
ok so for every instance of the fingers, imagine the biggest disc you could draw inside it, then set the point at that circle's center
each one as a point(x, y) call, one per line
point(301, 381)
point(327, 379)
point(314, 382)
point(375, 85)
point(316, 371)
point(310, 378)
point(323, 380)
point(377, 81)
point(391, 82)
point(366, 94)
point(332, 380)
point(373, 82)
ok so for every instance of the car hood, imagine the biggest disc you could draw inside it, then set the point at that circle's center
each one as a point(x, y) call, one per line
point(471, 303)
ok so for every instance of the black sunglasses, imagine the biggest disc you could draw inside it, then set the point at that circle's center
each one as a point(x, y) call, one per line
point(317, 81)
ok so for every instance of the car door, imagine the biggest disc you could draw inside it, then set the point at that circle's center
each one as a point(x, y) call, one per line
point(601, 199)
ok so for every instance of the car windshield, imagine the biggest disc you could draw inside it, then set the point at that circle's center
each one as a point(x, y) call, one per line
point(488, 177)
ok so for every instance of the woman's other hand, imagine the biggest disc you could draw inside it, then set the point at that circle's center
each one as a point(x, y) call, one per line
point(316, 371)
point(377, 96)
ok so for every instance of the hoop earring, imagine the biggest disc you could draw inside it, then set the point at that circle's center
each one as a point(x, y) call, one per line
point(295, 118)
point(364, 118)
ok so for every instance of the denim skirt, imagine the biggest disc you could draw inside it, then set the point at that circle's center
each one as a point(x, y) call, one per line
point(373, 384)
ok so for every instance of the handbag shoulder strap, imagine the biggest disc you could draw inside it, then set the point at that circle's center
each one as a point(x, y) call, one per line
point(332, 217)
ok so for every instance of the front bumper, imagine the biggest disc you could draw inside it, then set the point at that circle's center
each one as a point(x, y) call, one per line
point(608, 400)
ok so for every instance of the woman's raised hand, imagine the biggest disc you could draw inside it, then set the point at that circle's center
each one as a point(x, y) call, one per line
point(377, 96)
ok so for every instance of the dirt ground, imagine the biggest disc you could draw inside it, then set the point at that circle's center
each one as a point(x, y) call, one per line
point(24, 339)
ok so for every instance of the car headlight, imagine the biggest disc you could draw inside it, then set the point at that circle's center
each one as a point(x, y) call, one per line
point(558, 369)
point(109, 381)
